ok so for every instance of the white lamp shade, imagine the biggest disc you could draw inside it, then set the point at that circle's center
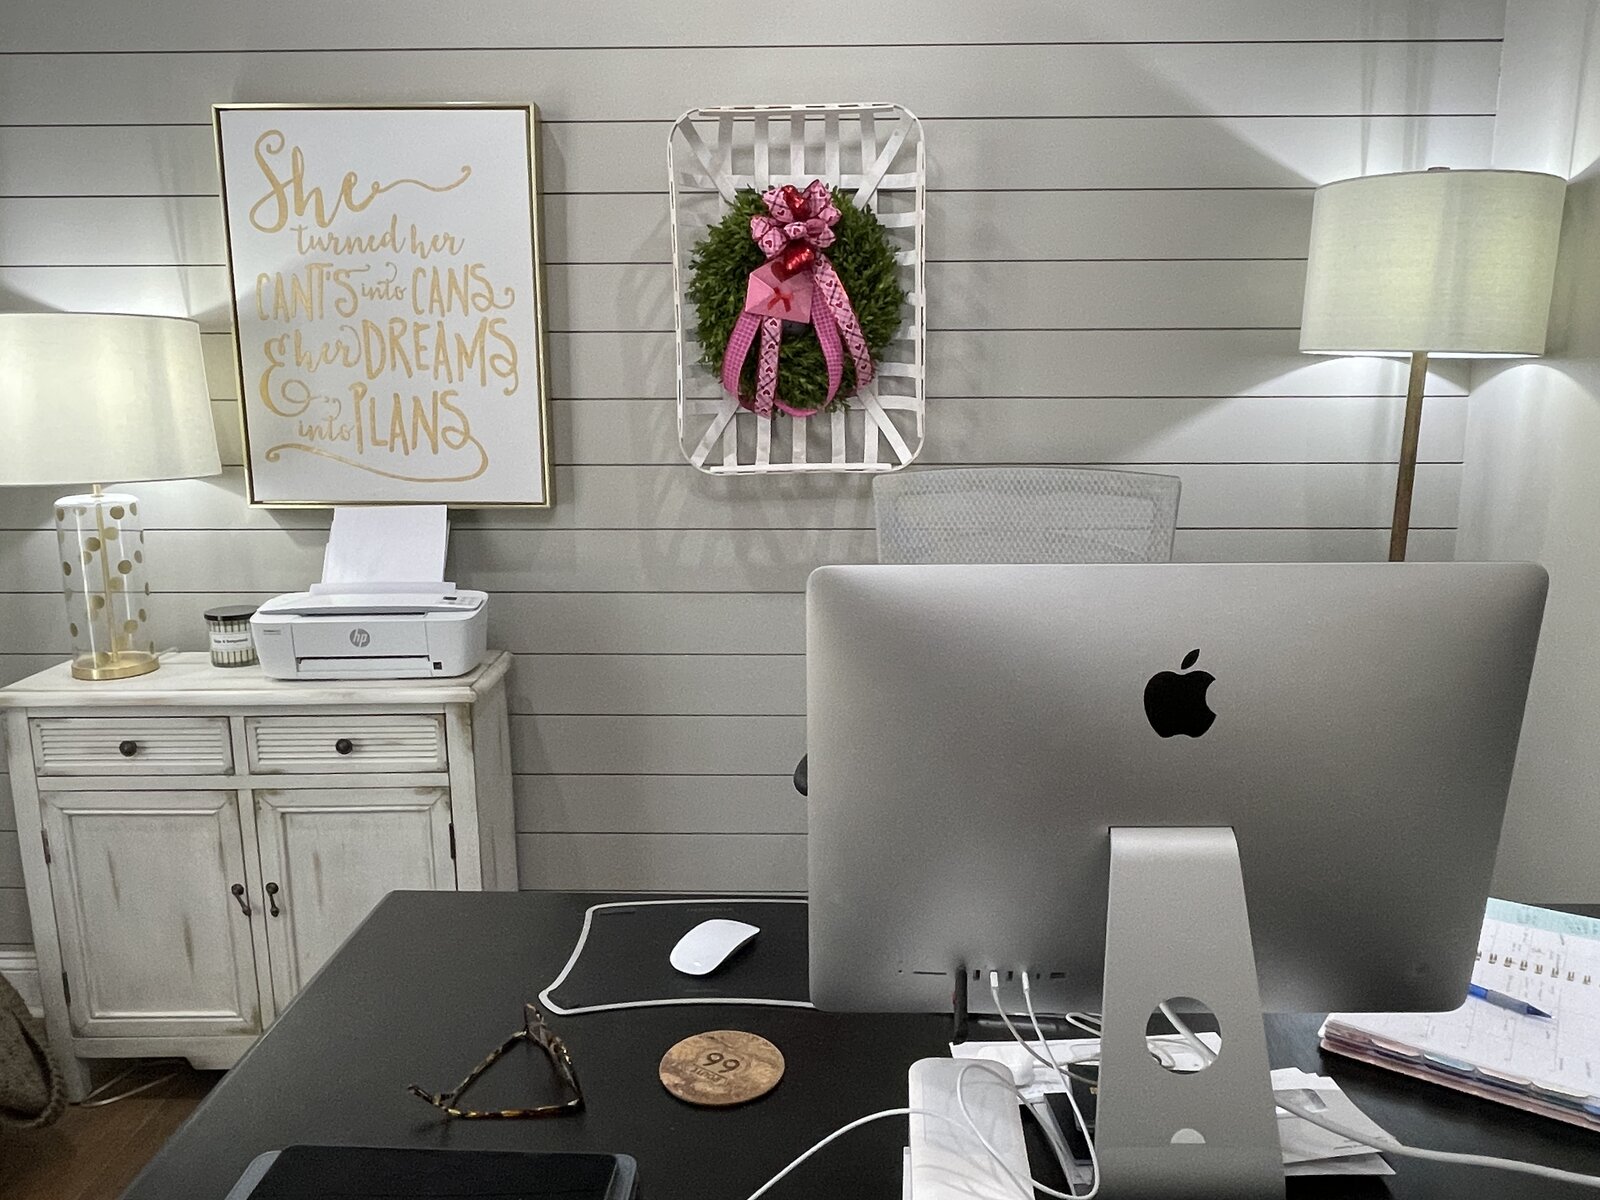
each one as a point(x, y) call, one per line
point(1459, 264)
point(101, 398)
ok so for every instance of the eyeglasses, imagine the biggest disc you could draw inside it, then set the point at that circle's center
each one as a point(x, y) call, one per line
point(533, 1030)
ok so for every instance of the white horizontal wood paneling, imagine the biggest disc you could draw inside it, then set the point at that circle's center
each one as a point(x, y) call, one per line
point(529, 623)
point(1165, 363)
point(655, 745)
point(705, 561)
point(1115, 280)
point(983, 155)
point(650, 83)
point(632, 228)
point(658, 684)
point(738, 863)
point(1006, 429)
point(702, 804)
point(1256, 495)
point(600, 297)
point(310, 24)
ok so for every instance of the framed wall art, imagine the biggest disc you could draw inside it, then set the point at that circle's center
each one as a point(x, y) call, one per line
point(388, 302)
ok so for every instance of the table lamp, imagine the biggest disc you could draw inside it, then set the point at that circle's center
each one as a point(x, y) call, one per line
point(94, 397)
point(1431, 264)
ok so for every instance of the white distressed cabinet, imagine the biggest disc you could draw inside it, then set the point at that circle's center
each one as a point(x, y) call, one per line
point(197, 842)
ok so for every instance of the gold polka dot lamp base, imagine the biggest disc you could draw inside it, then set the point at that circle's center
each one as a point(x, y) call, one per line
point(721, 1068)
point(103, 582)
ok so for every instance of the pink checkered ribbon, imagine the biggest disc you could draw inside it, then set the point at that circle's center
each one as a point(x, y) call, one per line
point(794, 231)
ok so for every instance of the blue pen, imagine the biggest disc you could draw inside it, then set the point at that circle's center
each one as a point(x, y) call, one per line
point(1501, 1000)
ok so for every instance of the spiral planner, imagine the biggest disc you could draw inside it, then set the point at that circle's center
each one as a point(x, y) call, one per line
point(1549, 1066)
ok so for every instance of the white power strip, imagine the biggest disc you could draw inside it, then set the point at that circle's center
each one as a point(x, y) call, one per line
point(946, 1160)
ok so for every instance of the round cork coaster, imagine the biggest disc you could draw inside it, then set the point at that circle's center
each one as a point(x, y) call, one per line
point(721, 1068)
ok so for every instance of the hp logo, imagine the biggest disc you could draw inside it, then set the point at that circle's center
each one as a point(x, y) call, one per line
point(360, 638)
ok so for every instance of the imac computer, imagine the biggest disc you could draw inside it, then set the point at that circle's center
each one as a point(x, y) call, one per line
point(1265, 786)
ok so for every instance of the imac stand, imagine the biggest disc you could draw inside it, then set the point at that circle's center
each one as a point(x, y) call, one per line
point(1176, 926)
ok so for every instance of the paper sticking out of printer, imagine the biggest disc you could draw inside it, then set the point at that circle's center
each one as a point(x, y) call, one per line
point(382, 609)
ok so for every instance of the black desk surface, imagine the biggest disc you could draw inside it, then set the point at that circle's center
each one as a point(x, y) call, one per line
point(432, 981)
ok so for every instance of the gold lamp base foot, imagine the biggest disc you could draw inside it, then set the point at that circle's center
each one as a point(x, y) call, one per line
point(124, 664)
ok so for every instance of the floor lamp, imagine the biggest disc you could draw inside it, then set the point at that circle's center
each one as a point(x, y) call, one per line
point(1431, 264)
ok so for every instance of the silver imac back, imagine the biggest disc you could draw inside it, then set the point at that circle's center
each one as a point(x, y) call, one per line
point(976, 732)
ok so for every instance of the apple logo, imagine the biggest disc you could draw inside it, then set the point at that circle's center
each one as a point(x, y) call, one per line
point(1176, 703)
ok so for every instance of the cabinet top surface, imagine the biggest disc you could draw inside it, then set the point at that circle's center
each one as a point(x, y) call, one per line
point(189, 679)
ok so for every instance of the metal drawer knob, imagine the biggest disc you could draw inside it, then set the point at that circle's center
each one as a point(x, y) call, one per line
point(238, 894)
point(343, 746)
point(272, 898)
point(127, 748)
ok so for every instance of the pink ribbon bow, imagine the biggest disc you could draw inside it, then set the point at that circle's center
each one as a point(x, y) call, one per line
point(794, 231)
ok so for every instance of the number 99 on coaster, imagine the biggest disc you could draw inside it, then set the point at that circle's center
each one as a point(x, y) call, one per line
point(721, 1068)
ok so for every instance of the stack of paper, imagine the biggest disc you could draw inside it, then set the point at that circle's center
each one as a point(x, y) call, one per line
point(1546, 1065)
point(1307, 1149)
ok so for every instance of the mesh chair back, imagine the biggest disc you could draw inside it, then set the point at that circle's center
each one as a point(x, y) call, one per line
point(1025, 515)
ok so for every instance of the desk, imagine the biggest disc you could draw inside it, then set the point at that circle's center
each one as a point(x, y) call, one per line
point(432, 981)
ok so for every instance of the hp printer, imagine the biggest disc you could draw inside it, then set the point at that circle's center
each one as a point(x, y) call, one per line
point(358, 622)
point(334, 633)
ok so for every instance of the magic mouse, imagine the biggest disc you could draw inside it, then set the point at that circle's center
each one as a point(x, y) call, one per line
point(710, 944)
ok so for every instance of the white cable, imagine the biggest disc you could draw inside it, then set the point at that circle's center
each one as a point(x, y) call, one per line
point(1187, 1034)
point(839, 1133)
point(1046, 1060)
point(1389, 1145)
point(1025, 1186)
point(1444, 1156)
point(972, 1126)
point(1077, 1113)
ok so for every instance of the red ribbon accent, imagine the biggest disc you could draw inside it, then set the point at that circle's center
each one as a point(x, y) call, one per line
point(781, 296)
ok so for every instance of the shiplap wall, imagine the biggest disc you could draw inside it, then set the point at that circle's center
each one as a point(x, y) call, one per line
point(1118, 208)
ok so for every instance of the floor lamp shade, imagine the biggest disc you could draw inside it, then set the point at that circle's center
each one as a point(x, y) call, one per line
point(1453, 263)
point(90, 398)
point(1448, 264)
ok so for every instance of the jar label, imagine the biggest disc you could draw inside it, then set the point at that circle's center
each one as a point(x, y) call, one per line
point(222, 641)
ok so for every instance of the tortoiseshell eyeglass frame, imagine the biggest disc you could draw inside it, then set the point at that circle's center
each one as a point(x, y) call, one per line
point(533, 1030)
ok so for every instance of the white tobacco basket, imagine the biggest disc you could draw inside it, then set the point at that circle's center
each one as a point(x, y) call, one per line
point(874, 150)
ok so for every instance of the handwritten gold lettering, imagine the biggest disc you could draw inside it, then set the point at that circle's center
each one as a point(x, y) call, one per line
point(290, 196)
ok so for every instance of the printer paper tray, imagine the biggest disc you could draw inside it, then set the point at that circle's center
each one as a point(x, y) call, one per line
point(408, 666)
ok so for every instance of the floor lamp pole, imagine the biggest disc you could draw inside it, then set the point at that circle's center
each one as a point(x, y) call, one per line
point(1407, 475)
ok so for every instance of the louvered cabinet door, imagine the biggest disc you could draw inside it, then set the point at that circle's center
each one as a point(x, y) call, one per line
point(354, 743)
point(155, 940)
point(328, 855)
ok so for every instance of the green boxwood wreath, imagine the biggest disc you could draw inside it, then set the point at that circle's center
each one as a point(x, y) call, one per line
point(864, 260)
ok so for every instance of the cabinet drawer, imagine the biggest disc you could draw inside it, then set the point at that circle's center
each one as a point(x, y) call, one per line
point(312, 745)
point(131, 745)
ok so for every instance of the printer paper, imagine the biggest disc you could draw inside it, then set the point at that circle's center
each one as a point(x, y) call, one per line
point(386, 544)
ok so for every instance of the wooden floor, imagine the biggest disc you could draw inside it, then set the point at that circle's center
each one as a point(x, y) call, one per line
point(94, 1153)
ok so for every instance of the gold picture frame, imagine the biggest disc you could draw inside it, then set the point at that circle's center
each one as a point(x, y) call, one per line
point(297, 197)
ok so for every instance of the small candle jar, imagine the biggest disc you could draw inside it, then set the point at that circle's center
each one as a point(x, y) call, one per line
point(229, 628)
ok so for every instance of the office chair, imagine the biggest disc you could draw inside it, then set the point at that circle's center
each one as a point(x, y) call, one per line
point(1020, 515)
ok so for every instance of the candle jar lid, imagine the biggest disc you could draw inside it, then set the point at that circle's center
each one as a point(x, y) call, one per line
point(231, 612)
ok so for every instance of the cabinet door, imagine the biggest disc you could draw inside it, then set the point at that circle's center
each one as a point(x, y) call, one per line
point(153, 939)
point(332, 854)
